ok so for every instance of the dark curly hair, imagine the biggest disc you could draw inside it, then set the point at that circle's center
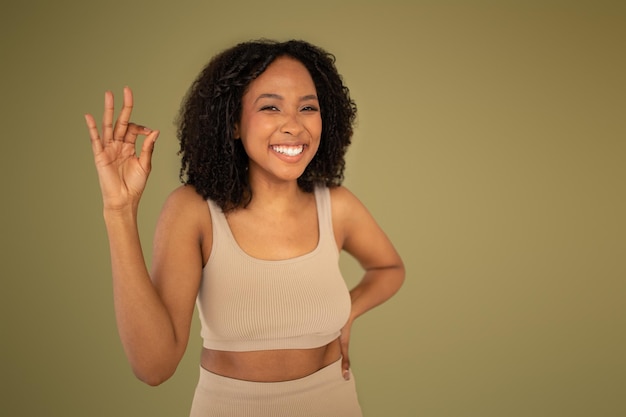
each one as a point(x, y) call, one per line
point(214, 162)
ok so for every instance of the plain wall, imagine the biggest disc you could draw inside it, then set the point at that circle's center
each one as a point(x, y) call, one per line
point(490, 145)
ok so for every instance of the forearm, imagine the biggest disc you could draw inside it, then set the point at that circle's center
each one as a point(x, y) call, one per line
point(376, 287)
point(143, 322)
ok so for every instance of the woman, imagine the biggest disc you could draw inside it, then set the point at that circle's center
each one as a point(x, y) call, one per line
point(253, 236)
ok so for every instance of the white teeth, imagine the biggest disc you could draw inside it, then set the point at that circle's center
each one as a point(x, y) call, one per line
point(289, 150)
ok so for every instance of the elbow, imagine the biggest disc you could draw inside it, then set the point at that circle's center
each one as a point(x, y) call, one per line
point(153, 376)
point(396, 275)
point(400, 274)
point(153, 381)
point(153, 367)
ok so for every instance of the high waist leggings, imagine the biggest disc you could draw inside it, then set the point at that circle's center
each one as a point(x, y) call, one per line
point(323, 394)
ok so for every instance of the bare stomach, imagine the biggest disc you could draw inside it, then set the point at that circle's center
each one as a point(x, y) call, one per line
point(270, 365)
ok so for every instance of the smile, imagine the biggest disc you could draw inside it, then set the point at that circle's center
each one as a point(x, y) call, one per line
point(288, 150)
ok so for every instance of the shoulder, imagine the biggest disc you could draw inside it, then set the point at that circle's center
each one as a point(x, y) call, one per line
point(344, 202)
point(186, 218)
point(359, 233)
point(348, 214)
point(185, 205)
point(185, 198)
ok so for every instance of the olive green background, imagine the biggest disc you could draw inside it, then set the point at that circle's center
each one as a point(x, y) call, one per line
point(490, 146)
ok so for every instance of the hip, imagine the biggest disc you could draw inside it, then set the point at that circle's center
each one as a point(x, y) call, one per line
point(323, 393)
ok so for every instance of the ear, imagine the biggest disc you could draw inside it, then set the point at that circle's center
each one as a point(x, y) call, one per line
point(236, 135)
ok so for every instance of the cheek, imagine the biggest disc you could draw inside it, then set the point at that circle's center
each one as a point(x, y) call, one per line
point(253, 127)
point(315, 144)
point(260, 124)
point(315, 127)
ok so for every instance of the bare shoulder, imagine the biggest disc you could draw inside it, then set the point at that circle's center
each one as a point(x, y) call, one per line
point(348, 214)
point(185, 221)
point(186, 209)
point(185, 196)
point(341, 193)
point(345, 205)
point(185, 202)
point(358, 232)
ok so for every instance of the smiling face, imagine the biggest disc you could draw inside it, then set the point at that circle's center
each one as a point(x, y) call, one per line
point(281, 124)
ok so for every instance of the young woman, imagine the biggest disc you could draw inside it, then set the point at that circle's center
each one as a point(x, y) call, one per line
point(252, 237)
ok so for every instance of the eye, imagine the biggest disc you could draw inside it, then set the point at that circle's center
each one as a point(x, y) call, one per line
point(310, 108)
point(269, 108)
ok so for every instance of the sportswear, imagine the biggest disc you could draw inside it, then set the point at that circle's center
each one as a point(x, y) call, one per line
point(249, 304)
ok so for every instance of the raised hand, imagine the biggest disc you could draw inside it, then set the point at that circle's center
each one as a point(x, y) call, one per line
point(121, 172)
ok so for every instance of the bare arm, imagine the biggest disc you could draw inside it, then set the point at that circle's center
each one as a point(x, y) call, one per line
point(362, 237)
point(154, 311)
point(153, 315)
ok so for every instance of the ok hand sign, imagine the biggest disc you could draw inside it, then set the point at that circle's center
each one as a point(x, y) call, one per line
point(121, 172)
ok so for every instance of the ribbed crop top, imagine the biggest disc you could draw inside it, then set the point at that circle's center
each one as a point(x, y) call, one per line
point(249, 304)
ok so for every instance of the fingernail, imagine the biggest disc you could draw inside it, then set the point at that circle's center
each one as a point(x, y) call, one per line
point(346, 375)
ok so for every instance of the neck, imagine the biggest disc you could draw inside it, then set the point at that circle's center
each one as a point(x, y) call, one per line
point(277, 197)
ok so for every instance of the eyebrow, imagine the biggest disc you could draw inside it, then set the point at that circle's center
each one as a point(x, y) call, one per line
point(279, 97)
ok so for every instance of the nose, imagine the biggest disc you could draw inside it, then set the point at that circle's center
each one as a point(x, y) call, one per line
point(292, 125)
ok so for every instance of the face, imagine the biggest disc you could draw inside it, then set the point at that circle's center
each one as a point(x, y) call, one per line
point(280, 124)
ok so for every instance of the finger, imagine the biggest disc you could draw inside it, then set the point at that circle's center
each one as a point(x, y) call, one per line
point(121, 125)
point(96, 142)
point(345, 367)
point(345, 359)
point(133, 131)
point(145, 157)
point(107, 118)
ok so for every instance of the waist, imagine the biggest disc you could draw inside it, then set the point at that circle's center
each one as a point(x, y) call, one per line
point(270, 365)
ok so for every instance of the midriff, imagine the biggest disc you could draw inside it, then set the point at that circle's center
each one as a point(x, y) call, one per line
point(270, 365)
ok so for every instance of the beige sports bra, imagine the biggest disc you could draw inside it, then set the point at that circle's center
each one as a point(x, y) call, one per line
point(248, 304)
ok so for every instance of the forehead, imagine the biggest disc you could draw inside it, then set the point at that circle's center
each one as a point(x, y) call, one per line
point(284, 74)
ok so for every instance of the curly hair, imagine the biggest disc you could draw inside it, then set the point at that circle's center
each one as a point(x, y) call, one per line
point(214, 162)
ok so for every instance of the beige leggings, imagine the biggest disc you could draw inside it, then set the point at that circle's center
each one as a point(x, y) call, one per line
point(322, 394)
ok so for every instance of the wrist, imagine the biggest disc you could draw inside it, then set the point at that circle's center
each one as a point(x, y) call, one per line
point(114, 214)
